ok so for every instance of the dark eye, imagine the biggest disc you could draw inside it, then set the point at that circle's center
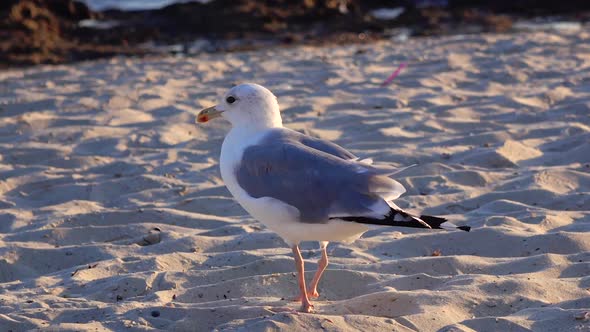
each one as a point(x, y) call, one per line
point(230, 100)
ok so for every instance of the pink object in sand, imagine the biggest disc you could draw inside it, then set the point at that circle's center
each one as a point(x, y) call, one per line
point(394, 74)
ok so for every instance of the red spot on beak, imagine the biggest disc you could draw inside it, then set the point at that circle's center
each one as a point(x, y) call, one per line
point(203, 118)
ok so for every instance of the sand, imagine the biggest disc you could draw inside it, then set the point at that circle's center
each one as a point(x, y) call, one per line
point(114, 216)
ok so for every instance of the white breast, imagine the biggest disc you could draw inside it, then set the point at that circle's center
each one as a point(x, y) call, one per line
point(269, 211)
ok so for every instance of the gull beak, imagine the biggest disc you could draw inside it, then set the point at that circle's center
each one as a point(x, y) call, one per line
point(208, 114)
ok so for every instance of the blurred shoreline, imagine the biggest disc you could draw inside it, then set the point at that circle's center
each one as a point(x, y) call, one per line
point(63, 31)
point(129, 5)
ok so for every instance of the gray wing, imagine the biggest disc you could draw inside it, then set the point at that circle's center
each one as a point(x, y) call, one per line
point(320, 185)
point(288, 135)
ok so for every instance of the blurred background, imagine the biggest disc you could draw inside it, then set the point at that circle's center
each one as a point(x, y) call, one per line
point(61, 31)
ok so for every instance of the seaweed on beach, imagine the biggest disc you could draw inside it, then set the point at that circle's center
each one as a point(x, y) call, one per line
point(61, 31)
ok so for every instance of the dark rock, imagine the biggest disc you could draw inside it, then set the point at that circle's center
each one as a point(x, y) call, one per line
point(47, 31)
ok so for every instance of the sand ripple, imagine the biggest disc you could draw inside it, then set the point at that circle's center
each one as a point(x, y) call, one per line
point(113, 214)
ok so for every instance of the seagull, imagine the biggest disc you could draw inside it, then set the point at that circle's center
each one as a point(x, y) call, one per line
point(301, 187)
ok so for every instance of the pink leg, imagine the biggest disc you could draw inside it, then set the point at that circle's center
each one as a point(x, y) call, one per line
point(322, 264)
point(306, 306)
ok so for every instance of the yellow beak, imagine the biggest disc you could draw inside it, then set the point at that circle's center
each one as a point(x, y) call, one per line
point(208, 114)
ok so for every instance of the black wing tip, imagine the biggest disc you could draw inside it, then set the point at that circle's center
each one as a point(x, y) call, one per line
point(424, 221)
point(433, 222)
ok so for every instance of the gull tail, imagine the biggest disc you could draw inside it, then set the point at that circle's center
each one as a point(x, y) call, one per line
point(400, 218)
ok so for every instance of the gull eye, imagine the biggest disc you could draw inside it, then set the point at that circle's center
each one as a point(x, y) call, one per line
point(230, 99)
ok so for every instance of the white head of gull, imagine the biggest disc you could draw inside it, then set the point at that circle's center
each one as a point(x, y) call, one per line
point(301, 187)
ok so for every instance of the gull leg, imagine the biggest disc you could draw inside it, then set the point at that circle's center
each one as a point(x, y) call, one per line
point(306, 306)
point(322, 264)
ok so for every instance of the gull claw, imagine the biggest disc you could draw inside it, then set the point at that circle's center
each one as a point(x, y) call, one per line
point(314, 294)
point(311, 295)
point(307, 308)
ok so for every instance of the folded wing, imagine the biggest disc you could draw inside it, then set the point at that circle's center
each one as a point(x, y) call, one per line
point(319, 178)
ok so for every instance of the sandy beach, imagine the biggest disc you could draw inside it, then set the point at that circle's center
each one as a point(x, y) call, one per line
point(114, 217)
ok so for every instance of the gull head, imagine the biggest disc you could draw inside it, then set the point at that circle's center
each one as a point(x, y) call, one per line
point(246, 105)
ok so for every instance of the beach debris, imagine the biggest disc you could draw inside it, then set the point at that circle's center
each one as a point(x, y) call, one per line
point(540, 25)
point(585, 316)
point(181, 190)
point(387, 14)
point(394, 74)
point(89, 266)
point(154, 236)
